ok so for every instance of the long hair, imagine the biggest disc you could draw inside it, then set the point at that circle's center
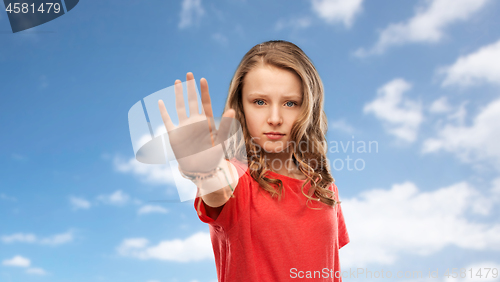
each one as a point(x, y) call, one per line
point(309, 129)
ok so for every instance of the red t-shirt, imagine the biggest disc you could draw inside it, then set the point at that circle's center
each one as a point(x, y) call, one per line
point(258, 238)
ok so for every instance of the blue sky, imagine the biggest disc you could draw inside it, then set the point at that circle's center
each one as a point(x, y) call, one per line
point(419, 78)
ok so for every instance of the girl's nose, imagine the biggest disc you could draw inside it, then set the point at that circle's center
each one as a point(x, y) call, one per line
point(275, 117)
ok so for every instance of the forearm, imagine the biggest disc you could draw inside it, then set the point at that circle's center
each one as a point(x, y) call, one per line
point(215, 191)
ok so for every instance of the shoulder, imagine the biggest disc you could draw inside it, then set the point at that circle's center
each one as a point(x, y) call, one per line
point(241, 166)
point(332, 187)
point(244, 177)
point(335, 190)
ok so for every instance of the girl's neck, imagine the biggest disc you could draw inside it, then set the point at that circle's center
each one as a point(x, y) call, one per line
point(283, 163)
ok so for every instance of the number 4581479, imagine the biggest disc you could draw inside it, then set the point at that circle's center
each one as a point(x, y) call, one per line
point(484, 272)
point(26, 8)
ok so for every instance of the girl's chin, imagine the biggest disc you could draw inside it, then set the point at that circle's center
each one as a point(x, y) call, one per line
point(273, 147)
point(274, 150)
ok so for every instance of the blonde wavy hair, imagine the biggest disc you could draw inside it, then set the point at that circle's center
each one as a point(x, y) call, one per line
point(310, 127)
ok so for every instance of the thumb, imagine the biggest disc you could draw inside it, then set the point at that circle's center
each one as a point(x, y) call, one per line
point(225, 125)
point(229, 113)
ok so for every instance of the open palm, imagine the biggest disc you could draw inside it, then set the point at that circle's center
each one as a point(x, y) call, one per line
point(195, 141)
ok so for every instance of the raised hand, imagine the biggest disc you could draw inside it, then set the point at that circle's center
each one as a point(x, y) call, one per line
point(195, 141)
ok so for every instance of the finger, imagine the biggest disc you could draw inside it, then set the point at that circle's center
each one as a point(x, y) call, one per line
point(225, 126)
point(179, 101)
point(207, 105)
point(165, 117)
point(192, 97)
point(205, 98)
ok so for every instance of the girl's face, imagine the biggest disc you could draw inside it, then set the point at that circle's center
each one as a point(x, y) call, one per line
point(272, 98)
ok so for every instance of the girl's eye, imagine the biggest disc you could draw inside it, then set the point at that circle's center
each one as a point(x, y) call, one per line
point(289, 103)
point(257, 101)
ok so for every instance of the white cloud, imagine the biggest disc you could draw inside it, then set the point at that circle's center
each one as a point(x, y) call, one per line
point(134, 243)
point(44, 82)
point(482, 66)
point(117, 198)
point(36, 271)
point(7, 198)
point(386, 224)
point(57, 239)
point(153, 174)
point(79, 203)
point(295, 23)
point(337, 11)
point(341, 125)
point(475, 144)
point(18, 157)
point(19, 237)
point(440, 105)
point(194, 248)
point(18, 261)
point(238, 29)
point(191, 13)
point(401, 116)
point(459, 114)
point(151, 209)
point(219, 37)
point(427, 25)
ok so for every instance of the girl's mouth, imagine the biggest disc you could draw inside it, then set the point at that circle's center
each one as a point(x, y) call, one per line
point(274, 136)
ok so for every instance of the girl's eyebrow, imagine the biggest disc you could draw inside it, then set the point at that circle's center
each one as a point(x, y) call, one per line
point(265, 95)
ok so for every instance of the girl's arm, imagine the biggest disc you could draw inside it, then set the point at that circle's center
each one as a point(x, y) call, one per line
point(219, 196)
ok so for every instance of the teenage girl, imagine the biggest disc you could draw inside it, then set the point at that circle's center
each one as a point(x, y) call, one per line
point(279, 219)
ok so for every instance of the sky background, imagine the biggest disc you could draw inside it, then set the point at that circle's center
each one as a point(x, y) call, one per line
point(421, 79)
